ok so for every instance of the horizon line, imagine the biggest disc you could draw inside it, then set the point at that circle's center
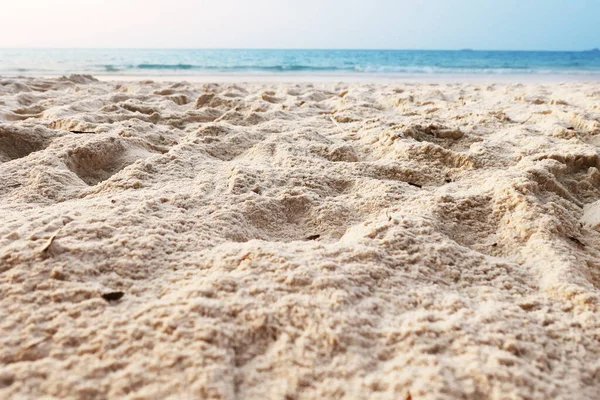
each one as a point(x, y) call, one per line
point(594, 49)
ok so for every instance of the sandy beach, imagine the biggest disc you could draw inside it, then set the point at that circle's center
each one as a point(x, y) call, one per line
point(404, 240)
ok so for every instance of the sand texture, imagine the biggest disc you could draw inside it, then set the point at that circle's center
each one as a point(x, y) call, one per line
point(298, 241)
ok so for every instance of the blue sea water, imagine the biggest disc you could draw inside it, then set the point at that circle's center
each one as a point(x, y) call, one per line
point(175, 62)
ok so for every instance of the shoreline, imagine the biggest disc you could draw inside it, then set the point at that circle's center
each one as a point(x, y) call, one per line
point(339, 78)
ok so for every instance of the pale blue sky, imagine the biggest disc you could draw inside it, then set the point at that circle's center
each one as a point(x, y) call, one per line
point(394, 24)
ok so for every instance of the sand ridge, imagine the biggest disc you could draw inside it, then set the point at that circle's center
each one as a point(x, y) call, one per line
point(300, 241)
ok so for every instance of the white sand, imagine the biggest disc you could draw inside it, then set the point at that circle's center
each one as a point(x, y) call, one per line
point(202, 204)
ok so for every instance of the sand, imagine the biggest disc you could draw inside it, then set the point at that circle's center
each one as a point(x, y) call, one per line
point(299, 241)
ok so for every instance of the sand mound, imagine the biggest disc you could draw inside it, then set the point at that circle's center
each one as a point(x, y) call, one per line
point(298, 241)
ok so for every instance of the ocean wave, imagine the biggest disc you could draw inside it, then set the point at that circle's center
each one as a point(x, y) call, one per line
point(281, 68)
point(348, 68)
point(165, 66)
point(110, 68)
point(189, 70)
point(356, 69)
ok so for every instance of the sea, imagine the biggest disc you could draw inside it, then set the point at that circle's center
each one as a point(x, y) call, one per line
point(310, 63)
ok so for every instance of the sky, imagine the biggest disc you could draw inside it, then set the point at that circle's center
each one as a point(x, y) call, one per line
point(340, 24)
